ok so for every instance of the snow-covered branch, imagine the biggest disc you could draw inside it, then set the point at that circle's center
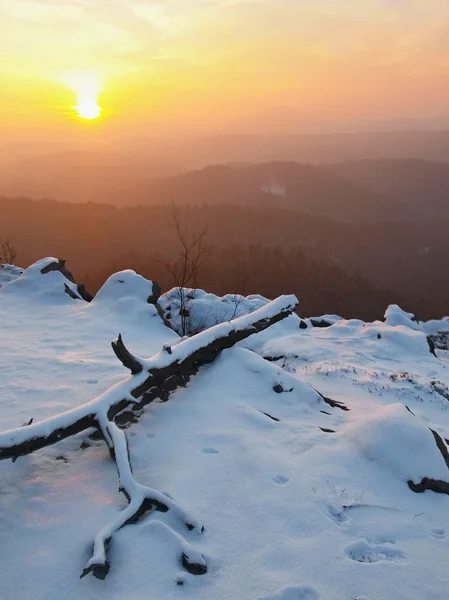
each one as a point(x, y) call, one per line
point(141, 500)
point(160, 376)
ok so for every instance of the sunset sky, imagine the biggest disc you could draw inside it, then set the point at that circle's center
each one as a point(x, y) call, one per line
point(212, 66)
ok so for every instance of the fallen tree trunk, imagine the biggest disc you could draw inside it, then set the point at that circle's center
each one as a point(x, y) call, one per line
point(151, 379)
point(159, 377)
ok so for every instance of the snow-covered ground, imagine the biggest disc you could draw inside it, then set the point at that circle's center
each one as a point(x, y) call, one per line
point(300, 500)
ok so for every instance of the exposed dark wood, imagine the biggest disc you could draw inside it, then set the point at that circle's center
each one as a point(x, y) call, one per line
point(70, 292)
point(59, 265)
point(127, 359)
point(431, 344)
point(335, 403)
point(441, 447)
point(192, 567)
point(320, 323)
point(156, 293)
point(426, 484)
point(332, 403)
point(273, 358)
point(270, 416)
point(434, 485)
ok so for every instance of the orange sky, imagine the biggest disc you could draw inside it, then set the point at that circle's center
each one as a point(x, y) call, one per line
point(209, 66)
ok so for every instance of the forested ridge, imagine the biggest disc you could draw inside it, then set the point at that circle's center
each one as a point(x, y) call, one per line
point(354, 269)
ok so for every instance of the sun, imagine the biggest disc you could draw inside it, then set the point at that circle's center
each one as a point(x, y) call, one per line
point(88, 109)
point(87, 86)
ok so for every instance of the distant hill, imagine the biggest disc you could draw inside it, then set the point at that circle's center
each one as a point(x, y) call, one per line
point(317, 149)
point(312, 190)
point(309, 189)
point(129, 170)
point(82, 176)
point(419, 183)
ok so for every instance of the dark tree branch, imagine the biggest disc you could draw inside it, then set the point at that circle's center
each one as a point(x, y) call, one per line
point(162, 375)
point(8, 250)
point(59, 265)
point(435, 485)
point(127, 359)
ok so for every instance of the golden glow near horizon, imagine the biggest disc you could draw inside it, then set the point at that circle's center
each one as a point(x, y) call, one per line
point(213, 66)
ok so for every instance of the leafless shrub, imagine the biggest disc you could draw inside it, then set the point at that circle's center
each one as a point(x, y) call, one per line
point(186, 267)
point(9, 252)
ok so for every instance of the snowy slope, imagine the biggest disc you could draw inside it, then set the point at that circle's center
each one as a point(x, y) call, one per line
point(291, 512)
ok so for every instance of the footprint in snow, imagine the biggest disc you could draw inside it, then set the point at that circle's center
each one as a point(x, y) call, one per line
point(364, 552)
point(294, 593)
point(337, 514)
point(209, 450)
point(438, 533)
point(280, 480)
point(383, 539)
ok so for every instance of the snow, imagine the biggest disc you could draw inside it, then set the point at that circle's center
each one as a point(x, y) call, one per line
point(393, 437)
point(137, 494)
point(331, 319)
point(394, 316)
point(436, 325)
point(9, 273)
point(124, 288)
point(48, 336)
point(291, 512)
point(436, 329)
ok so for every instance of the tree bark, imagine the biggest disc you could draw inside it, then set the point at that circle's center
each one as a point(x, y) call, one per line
point(125, 357)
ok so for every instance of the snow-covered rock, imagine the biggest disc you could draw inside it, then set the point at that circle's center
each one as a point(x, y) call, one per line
point(9, 273)
point(436, 329)
point(394, 438)
point(44, 281)
point(127, 286)
point(322, 321)
point(202, 310)
point(394, 316)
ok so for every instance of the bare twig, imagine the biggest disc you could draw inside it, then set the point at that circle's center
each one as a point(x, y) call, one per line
point(185, 269)
point(8, 250)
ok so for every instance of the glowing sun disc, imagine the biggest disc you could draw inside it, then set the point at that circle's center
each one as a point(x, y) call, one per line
point(87, 87)
point(88, 109)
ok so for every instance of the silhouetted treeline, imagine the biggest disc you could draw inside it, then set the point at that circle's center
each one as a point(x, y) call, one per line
point(334, 267)
point(321, 287)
